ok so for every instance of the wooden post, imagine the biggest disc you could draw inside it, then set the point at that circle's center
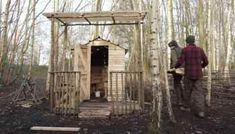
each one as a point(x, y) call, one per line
point(65, 47)
point(51, 65)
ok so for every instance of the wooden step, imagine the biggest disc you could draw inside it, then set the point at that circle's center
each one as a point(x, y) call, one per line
point(94, 113)
point(94, 110)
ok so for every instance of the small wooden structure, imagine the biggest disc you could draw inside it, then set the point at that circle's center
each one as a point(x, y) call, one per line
point(94, 60)
point(98, 66)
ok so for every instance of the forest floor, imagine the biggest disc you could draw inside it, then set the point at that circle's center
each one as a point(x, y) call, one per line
point(220, 118)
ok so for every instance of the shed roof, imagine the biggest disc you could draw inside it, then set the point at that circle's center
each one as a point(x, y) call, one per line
point(101, 40)
point(103, 17)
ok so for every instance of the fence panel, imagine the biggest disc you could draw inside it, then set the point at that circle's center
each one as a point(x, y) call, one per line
point(126, 92)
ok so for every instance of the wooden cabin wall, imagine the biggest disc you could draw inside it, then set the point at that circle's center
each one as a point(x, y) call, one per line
point(116, 63)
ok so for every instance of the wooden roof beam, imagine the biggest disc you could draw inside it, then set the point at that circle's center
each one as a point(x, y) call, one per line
point(101, 24)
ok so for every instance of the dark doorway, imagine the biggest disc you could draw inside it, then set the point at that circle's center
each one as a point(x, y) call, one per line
point(99, 71)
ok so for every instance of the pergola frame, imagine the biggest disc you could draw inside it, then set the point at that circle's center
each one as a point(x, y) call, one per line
point(103, 18)
point(91, 18)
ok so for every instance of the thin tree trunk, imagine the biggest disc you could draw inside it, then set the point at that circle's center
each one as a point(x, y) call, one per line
point(3, 54)
point(209, 34)
point(170, 32)
point(156, 89)
point(32, 40)
point(229, 45)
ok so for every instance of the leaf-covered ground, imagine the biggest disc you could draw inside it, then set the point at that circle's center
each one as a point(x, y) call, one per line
point(220, 119)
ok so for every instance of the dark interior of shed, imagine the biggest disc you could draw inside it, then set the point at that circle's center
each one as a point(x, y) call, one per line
point(99, 71)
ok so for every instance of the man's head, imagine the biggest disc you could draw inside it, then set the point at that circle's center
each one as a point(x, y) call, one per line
point(173, 43)
point(190, 39)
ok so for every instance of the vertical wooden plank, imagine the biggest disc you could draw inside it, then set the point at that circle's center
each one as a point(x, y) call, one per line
point(65, 48)
point(122, 92)
point(56, 92)
point(126, 93)
point(62, 92)
point(88, 71)
point(79, 88)
point(51, 66)
point(134, 90)
point(132, 86)
point(70, 92)
point(59, 90)
point(67, 90)
point(139, 88)
point(142, 90)
point(65, 94)
point(111, 91)
point(117, 99)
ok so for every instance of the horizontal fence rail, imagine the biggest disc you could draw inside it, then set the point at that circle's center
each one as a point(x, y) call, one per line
point(65, 92)
point(126, 92)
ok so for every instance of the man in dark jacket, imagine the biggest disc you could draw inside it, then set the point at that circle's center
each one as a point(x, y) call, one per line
point(194, 60)
point(175, 54)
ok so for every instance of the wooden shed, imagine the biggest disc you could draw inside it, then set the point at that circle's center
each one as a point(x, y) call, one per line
point(95, 60)
point(97, 66)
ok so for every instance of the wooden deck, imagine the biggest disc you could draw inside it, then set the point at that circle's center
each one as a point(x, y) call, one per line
point(105, 109)
point(95, 110)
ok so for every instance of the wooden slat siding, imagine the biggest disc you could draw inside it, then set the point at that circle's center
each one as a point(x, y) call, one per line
point(116, 63)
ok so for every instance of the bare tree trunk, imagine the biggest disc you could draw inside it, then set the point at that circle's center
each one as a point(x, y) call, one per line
point(209, 36)
point(3, 54)
point(201, 24)
point(229, 45)
point(33, 40)
point(0, 20)
point(170, 32)
point(156, 89)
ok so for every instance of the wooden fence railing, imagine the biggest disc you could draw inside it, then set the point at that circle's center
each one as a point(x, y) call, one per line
point(65, 92)
point(126, 92)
